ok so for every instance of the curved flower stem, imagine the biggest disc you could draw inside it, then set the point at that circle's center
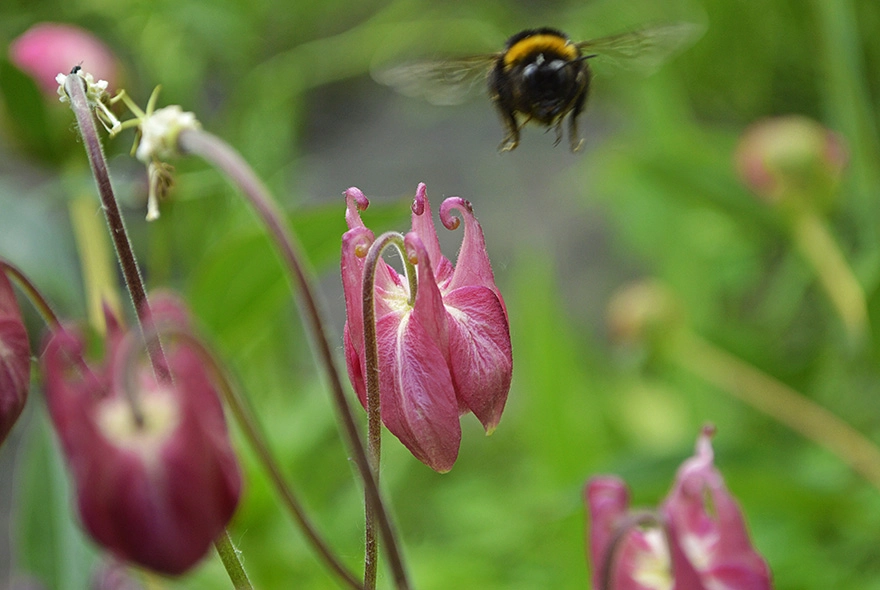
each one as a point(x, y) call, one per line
point(76, 90)
point(28, 288)
point(780, 402)
point(229, 555)
point(221, 155)
point(371, 362)
point(818, 246)
point(257, 441)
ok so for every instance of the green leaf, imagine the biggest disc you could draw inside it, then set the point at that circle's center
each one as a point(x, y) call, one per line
point(51, 546)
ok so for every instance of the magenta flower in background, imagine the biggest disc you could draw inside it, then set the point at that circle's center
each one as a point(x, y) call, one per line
point(155, 493)
point(446, 353)
point(48, 49)
point(15, 359)
point(697, 541)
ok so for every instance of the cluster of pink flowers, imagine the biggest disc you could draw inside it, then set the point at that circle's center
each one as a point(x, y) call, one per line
point(697, 540)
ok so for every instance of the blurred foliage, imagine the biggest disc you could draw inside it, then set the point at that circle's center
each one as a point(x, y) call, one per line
point(654, 194)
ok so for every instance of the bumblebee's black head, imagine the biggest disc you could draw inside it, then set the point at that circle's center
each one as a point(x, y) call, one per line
point(549, 83)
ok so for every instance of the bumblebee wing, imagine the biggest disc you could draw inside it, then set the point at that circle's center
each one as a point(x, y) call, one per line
point(442, 82)
point(643, 49)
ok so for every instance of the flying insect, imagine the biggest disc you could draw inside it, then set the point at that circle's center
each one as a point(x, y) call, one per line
point(541, 75)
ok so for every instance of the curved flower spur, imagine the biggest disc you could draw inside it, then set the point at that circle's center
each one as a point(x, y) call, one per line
point(443, 338)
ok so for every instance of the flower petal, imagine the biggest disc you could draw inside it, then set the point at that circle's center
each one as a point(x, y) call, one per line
point(418, 403)
point(472, 267)
point(480, 355)
point(355, 243)
point(15, 359)
point(423, 226)
point(706, 519)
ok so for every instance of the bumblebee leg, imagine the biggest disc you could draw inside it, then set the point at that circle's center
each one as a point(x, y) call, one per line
point(574, 139)
point(511, 140)
point(575, 142)
point(558, 129)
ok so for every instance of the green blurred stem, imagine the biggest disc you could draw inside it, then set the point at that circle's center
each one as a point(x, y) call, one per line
point(818, 246)
point(779, 401)
point(371, 362)
point(221, 155)
point(33, 294)
point(95, 259)
point(231, 559)
point(75, 87)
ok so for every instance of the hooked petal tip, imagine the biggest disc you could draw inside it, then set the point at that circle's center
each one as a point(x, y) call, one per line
point(448, 218)
point(355, 201)
point(421, 199)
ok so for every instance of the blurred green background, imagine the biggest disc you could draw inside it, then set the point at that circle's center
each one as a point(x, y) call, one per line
point(653, 194)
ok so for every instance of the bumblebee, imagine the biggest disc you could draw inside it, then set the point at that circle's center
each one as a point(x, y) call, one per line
point(541, 75)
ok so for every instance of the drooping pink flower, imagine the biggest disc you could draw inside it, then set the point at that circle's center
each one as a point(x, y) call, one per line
point(48, 49)
point(15, 359)
point(446, 353)
point(697, 541)
point(157, 491)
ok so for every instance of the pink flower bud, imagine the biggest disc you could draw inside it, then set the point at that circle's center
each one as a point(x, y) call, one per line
point(15, 359)
point(48, 49)
point(155, 475)
point(447, 353)
point(791, 157)
point(643, 312)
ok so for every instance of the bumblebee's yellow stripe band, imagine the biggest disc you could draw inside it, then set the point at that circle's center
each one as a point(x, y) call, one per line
point(545, 42)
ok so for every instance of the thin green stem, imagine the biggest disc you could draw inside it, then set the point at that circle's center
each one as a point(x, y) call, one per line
point(231, 558)
point(221, 155)
point(779, 401)
point(819, 247)
point(371, 362)
point(96, 261)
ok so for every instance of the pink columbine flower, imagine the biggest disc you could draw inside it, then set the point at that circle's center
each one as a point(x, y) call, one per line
point(446, 353)
point(697, 541)
point(157, 492)
point(15, 359)
point(47, 49)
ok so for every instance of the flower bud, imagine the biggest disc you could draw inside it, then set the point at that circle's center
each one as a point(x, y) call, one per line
point(642, 313)
point(15, 359)
point(791, 160)
point(155, 475)
point(47, 49)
